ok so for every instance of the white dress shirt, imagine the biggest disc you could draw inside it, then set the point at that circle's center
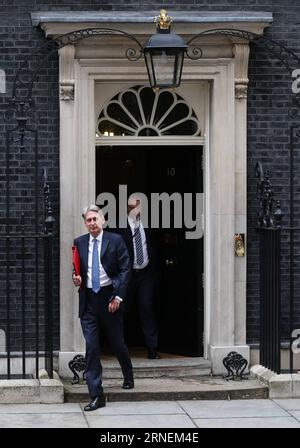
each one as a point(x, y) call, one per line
point(133, 226)
point(104, 279)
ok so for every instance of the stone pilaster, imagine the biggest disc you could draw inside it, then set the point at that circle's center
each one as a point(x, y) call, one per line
point(241, 53)
point(68, 297)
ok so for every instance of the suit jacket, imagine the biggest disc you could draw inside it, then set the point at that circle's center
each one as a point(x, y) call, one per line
point(126, 233)
point(114, 259)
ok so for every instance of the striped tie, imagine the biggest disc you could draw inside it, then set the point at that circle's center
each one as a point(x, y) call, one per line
point(95, 268)
point(138, 246)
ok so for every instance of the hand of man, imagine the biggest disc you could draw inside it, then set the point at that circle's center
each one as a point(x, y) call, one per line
point(77, 280)
point(113, 305)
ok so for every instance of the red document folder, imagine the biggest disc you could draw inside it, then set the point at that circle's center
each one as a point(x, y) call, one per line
point(76, 260)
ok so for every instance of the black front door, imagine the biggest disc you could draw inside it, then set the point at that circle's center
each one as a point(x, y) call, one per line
point(179, 300)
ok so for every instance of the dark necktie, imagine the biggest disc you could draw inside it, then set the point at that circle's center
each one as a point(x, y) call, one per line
point(95, 268)
point(138, 246)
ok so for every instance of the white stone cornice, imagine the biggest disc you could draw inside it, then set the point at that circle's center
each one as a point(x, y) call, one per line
point(185, 23)
point(241, 58)
point(147, 16)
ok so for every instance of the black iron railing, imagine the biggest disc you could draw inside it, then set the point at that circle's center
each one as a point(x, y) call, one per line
point(28, 328)
point(26, 295)
point(277, 308)
point(270, 298)
point(269, 220)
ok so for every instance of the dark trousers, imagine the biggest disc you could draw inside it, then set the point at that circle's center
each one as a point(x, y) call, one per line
point(96, 316)
point(142, 289)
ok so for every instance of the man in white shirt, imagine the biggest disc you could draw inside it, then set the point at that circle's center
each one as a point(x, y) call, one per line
point(103, 281)
point(144, 274)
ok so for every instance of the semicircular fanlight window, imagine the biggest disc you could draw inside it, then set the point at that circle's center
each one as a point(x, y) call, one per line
point(140, 111)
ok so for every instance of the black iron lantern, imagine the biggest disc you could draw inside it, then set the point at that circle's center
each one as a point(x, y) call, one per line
point(164, 54)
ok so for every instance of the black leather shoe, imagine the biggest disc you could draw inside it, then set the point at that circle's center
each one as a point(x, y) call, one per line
point(98, 402)
point(128, 384)
point(152, 354)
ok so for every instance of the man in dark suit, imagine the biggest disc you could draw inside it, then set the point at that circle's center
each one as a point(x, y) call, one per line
point(144, 274)
point(103, 281)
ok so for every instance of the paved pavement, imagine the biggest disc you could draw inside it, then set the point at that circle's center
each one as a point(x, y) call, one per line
point(256, 413)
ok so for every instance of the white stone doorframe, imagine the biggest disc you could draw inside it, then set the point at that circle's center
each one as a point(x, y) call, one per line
point(225, 189)
point(224, 65)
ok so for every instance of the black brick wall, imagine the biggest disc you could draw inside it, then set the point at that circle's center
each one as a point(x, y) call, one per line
point(268, 99)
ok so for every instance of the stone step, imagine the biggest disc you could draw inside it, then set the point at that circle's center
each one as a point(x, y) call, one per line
point(185, 388)
point(167, 366)
point(172, 366)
